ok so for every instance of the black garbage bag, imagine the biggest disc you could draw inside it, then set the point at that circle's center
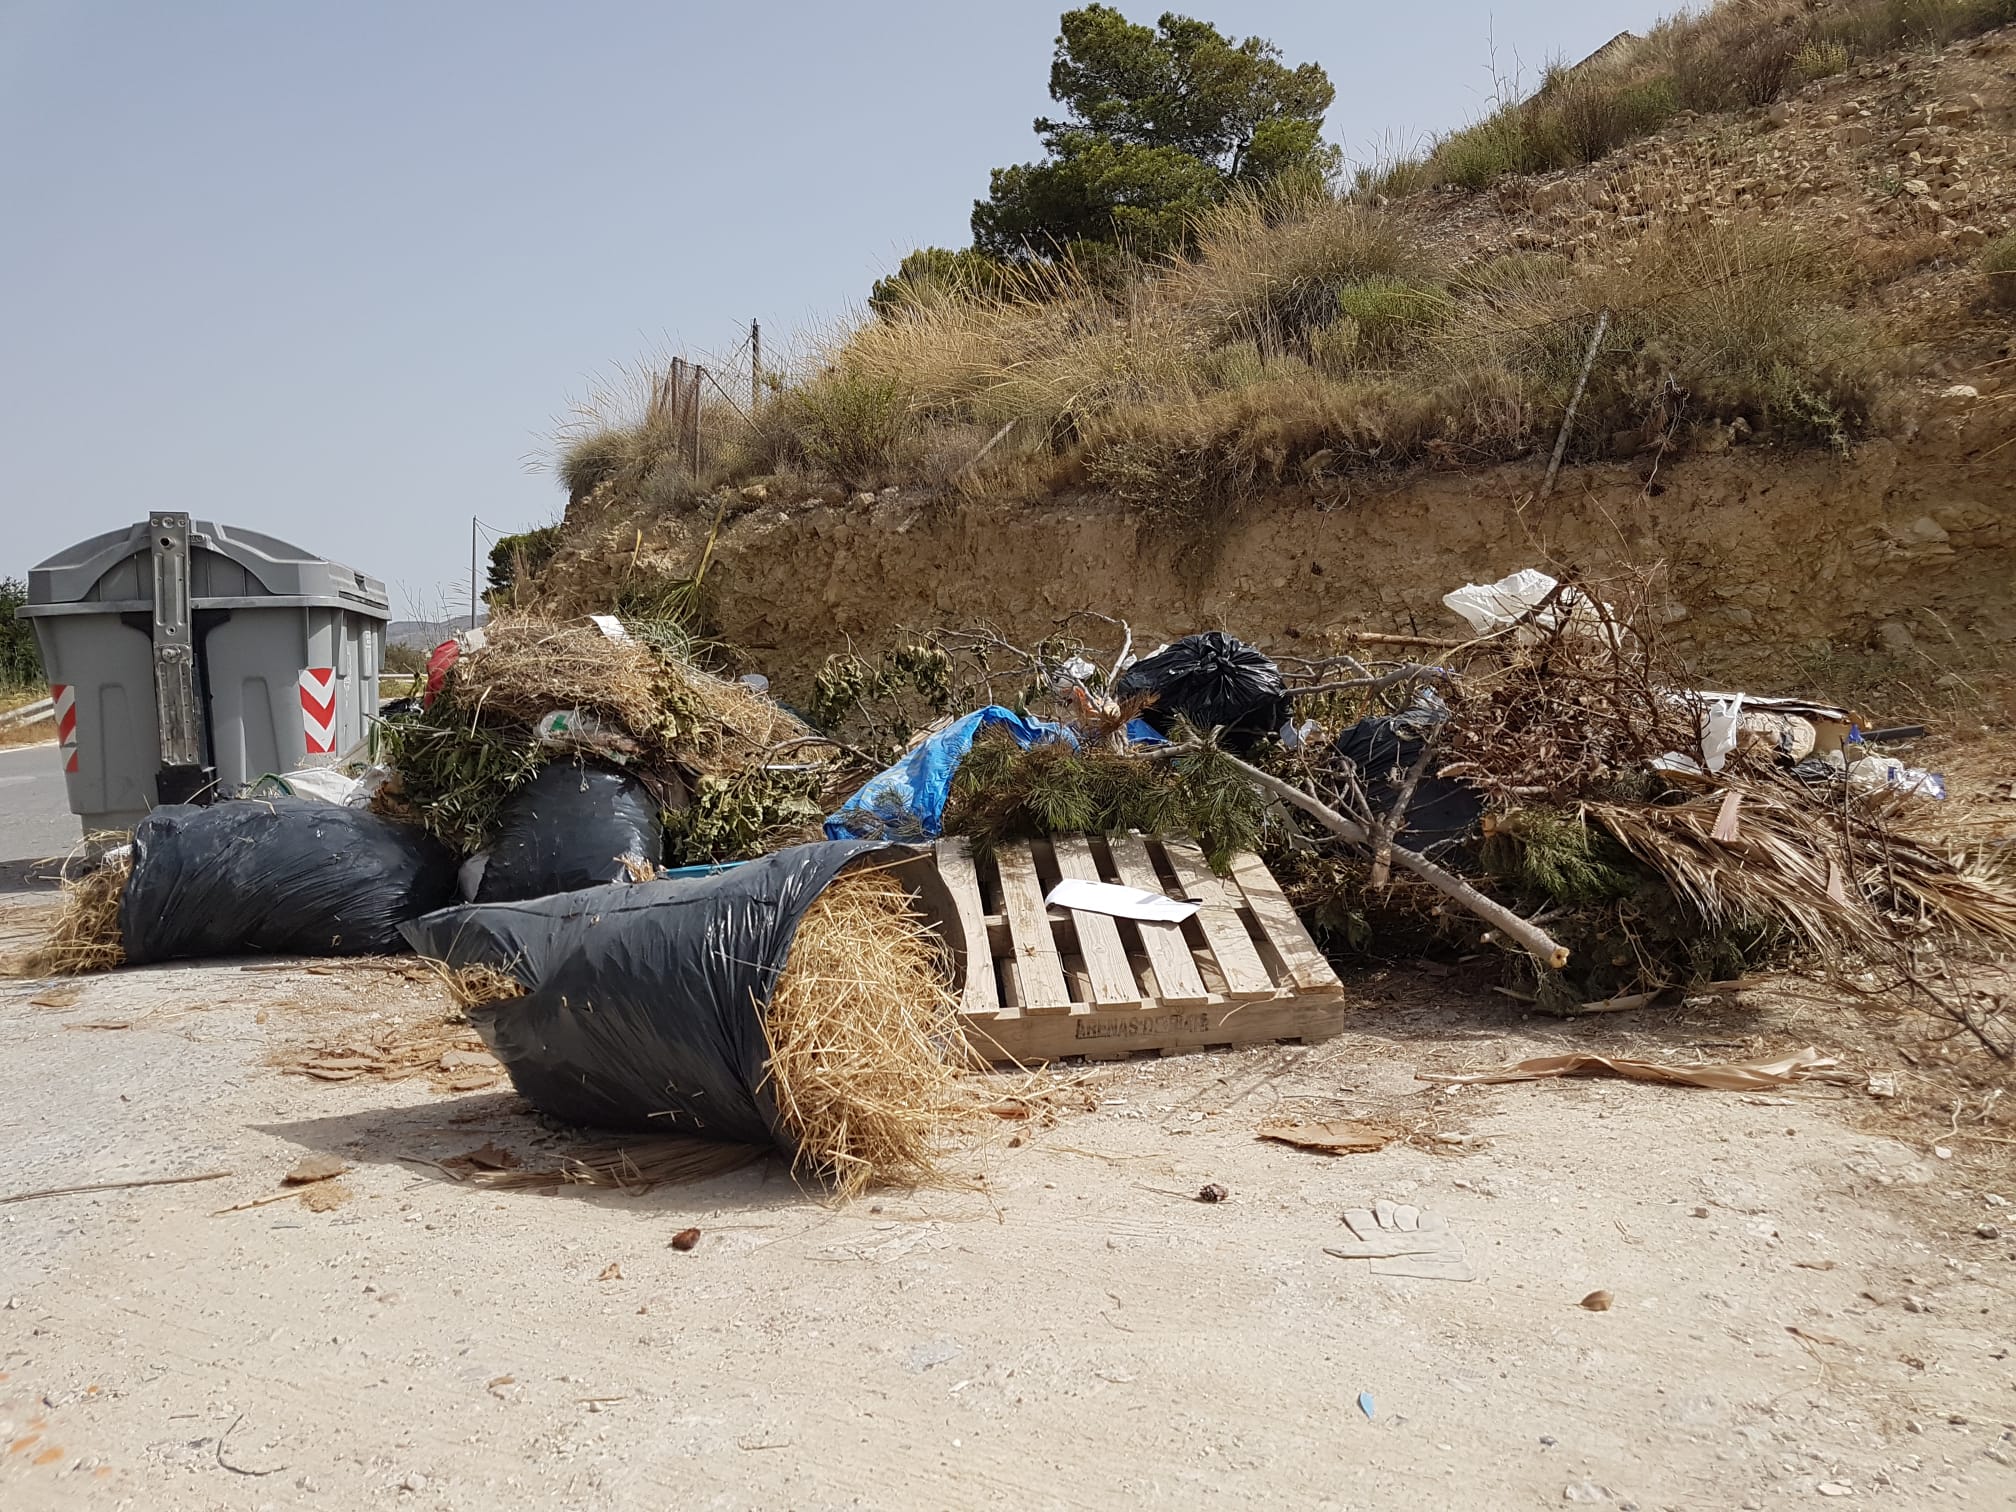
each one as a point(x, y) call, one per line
point(287, 876)
point(1384, 749)
point(1211, 680)
point(644, 1001)
point(570, 828)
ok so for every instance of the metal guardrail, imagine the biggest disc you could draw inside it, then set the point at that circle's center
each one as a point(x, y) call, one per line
point(28, 713)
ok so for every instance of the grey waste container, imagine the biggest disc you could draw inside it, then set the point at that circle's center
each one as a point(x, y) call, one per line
point(183, 655)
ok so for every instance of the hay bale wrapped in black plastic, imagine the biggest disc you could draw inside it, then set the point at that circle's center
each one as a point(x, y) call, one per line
point(284, 876)
point(800, 1001)
point(568, 828)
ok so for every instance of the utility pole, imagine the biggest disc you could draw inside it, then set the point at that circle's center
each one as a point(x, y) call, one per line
point(755, 366)
point(472, 572)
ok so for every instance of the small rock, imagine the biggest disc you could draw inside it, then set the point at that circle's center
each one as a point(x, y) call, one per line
point(1987, 1231)
point(755, 493)
point(414, 1482)
point(1942, 1152)
point(1835, 1488)
point(1212, 1192)
point(685, 1239)
point(1549, 1440)
point(1917, 188)
point(1585, 1491)
point(1700, 1212)
point(1597, 1301)
point(1895, 638)
point(864, 499)
point(1915, 1305)
point(1960, 391)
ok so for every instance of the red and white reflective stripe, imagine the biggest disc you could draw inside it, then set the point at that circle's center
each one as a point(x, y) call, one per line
point(64, 696)
point(318, 709)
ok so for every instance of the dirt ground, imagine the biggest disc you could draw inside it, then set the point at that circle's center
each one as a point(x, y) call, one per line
point(1807, 1299)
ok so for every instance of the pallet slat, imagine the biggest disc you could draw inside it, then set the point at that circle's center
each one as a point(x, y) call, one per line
point(1039, 967)
point(1217, 914)
point(981, 998)
point(1109, 977)
point(1307, 969)
point(1176, 977)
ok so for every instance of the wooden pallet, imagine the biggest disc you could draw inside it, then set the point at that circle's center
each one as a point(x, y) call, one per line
point(1043, 983)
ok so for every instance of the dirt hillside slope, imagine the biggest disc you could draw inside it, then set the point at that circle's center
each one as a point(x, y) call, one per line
point(1905, 545)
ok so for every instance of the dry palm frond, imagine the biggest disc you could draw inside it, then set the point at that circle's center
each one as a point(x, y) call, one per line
point(860, 1028)
point(1841, 882)
point(529, 667)
point(451, 1056)
point(634, 1167)
point(85, 936)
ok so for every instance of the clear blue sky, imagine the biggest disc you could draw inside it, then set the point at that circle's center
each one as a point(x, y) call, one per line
point(334, 270)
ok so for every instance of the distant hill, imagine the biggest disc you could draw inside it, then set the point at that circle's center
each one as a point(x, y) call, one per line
point(427, 634)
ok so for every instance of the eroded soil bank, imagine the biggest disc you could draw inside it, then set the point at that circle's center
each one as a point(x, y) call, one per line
point(1770, 563)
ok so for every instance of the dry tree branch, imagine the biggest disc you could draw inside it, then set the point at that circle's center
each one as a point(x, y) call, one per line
point(1542, 946)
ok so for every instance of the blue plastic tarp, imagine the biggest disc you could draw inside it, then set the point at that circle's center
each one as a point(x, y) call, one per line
point(907, 801)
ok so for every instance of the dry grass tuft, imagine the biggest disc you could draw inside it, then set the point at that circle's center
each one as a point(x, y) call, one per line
point(860, 1028)
point(528, 667)
point(478, 986)
point(86, 934)
point(729, 725)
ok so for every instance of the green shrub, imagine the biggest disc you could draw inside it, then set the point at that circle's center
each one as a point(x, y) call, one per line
point(1385, 317)
point(407, 661)
point(1478, 156)
point(1821, 58)
point(522, 555)
point(849, 425)
point(20, 658)
point(1999, 256)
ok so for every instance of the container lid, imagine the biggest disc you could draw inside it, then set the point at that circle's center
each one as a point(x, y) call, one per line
point(229, 568)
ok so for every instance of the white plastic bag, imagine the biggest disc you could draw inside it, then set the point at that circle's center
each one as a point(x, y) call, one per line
point(1493, 606)
point(326, 783)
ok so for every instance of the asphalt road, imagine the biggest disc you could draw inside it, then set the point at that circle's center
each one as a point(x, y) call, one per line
point(35, 817)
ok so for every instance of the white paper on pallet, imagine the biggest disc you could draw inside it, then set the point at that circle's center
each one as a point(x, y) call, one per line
point(1120, 902)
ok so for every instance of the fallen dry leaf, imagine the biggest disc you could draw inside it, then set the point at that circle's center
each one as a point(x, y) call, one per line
point(59, 997)
point(613, 1271)
point(325, 1196)
point(316, 1168)
point(685, 1239)
point(488, 1156)
point(1597, 1301)
point(1337, 1136)
point(451, 1056)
